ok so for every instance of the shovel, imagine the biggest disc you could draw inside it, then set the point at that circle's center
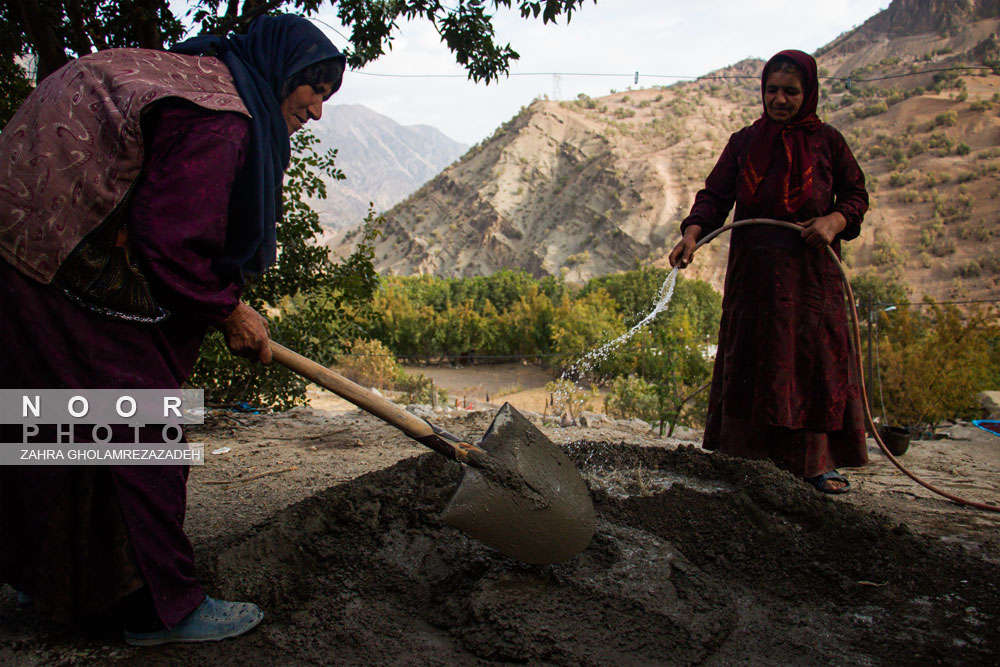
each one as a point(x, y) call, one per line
point(519, 494)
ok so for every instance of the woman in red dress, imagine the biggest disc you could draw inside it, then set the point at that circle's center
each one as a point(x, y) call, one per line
point(784, 385)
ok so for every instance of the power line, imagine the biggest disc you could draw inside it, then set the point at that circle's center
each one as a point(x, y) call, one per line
point(636, 75)
point(465, 76)
point(316, 19)
point(925, 71)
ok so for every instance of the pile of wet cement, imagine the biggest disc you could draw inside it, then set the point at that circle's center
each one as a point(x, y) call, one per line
point(697, 559)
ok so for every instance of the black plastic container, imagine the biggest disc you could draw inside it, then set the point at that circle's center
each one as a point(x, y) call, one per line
point(896, 438)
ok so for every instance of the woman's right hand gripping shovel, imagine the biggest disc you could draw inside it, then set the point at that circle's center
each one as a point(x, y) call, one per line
point(246, 334)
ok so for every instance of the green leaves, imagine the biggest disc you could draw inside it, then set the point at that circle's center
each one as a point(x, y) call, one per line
point(466, 27)
point(313, 304)
point(934, 359)
point(56, 31)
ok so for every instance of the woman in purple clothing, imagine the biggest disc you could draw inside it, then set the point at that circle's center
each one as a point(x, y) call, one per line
point(138, 191)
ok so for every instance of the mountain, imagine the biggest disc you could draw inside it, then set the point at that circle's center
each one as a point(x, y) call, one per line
point(383, 161)
point(593, 186)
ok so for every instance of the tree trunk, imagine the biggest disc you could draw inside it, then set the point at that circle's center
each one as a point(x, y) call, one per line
point(147, 28)
point(51, 55)
point(80, 38)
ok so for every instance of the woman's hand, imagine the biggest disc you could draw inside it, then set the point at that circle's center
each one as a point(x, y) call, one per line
point(682, 252)
point(821, 231)
point(246, 334)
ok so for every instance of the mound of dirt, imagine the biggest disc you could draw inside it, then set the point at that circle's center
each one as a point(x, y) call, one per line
point(697, 559)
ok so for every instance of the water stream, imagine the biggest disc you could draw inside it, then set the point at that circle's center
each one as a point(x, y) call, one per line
point(586, 363)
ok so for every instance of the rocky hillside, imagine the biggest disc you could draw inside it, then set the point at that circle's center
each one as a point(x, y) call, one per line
point(383, 160)
point(597, 185)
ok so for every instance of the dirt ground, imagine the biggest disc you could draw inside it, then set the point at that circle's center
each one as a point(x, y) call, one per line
point(329, 520)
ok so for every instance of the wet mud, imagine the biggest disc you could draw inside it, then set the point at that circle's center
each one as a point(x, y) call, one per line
point(697, 559)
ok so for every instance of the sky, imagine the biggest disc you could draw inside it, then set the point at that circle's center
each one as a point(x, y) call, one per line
point(651, 37)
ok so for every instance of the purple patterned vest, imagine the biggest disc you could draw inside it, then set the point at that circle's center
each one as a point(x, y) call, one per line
point(73, 151)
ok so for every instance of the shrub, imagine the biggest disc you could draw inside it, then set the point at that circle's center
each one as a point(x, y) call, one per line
point(898, 179)
point(369, 363)
point(567, 398)
point(970, 269)
point(948, 119)
point(898, 159)
point(943, 248)
point(419, 389)
point(632, 397)
point(886, 253)
point(939, 140)
point(935, 359)
point(871, 110)
point(940, 143)
point(963, 149)
point(959, 208)
point(934, 178)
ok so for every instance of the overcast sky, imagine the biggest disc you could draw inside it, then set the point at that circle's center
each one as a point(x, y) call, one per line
point(652, 37)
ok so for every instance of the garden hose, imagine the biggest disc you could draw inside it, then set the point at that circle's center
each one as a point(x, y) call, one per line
point(856, 330)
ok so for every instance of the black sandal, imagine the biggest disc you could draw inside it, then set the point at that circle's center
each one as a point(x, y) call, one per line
point(819, 481)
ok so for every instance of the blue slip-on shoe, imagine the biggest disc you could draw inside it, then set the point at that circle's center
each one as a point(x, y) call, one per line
point(211, 621)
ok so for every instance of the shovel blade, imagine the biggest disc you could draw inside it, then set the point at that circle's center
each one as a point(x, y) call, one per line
point(539, 510)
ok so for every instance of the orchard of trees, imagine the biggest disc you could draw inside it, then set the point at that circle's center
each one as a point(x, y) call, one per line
point(511, 313)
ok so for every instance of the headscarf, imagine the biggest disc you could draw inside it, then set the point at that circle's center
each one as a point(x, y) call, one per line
point(797, 179)
point(272, 50)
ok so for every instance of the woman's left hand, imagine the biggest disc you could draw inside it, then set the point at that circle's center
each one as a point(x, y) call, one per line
point(821, 231)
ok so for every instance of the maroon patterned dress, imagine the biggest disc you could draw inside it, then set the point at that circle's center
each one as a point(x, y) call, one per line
point(784, 385)
point(82, 539)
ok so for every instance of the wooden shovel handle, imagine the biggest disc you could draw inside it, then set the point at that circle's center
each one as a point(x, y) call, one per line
point(370, 402)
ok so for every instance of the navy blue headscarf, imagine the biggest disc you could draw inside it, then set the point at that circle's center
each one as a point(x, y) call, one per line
point(272, 50)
